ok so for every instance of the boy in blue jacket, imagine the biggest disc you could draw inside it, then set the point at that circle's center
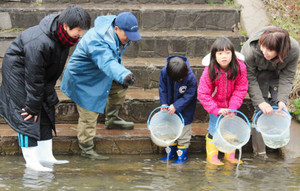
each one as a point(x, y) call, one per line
point(178, 90)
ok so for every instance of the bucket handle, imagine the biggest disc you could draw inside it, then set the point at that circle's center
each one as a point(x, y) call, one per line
point(164, 106)
point(235, 111)
point(259, 113)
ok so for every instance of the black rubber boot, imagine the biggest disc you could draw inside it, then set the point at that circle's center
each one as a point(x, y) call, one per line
point(258, 145)
point(88, 151)
point(112, 119)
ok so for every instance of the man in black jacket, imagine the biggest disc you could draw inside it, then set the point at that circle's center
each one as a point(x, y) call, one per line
point(31, 66)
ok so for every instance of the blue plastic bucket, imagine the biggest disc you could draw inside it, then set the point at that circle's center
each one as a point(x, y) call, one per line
point(274, 128)
point(165, 128)
point(232, 133)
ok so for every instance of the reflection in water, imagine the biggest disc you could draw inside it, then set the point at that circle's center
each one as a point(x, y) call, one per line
point(147, 172)
point(37, 180)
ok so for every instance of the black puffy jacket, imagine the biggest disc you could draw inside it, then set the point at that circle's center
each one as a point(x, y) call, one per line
point(31, 66)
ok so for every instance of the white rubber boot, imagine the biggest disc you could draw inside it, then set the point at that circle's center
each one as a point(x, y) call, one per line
point(32, 161)
point(45, 153)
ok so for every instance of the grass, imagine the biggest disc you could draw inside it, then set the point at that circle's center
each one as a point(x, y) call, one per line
point(12, 30)
point(294, 106)
point(285, 14)
point(229, 2)
point(296, 86)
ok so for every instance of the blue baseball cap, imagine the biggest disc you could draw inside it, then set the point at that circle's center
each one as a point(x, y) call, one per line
point(128, 23)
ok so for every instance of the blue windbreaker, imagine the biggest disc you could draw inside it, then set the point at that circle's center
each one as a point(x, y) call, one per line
point(95, 63)
point(183, 95)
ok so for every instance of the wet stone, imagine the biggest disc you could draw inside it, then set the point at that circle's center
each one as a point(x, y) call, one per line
point(9, 145)
point(62, 144)
point(147, 45)
point(161, 49)
point(179, 45)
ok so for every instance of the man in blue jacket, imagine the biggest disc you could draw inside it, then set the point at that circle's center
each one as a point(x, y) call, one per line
point(178, 90)
point(96, 79)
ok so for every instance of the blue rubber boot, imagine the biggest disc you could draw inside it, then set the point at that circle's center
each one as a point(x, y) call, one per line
point(171, 152)
point(182, 154)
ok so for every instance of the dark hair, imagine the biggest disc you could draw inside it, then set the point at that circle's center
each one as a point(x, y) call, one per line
point(177, 69)
point(276, 39)
point(222, 44)
point(75, 16)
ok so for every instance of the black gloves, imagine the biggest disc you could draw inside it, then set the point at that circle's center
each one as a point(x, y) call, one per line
point(129, 80)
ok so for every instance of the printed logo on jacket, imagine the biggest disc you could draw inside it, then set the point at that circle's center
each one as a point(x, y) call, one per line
point(182, 89)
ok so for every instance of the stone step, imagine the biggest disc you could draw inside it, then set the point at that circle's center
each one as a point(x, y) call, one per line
point(136, 141)
point(131, 2)
point(158, 44)
point(186, 43)
point(147, 70)
point(150, 17)
point(138, 105)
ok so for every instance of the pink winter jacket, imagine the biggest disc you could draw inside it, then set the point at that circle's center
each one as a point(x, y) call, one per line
point(223, 93)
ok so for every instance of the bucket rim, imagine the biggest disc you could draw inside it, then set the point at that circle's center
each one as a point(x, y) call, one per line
point(261, 113)
point(150, 116)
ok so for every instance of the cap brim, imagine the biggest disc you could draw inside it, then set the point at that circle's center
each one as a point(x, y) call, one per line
point(133, 36)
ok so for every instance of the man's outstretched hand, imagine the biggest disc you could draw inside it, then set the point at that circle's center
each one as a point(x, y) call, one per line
point(129, 80)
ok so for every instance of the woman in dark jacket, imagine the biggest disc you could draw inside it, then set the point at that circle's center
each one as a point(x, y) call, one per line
point(31, 66)
point(271, 57)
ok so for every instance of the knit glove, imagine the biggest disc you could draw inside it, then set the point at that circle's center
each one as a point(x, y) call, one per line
point(129, 80)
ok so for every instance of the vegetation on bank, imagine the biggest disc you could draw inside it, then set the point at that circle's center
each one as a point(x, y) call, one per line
point(285, 14)
point(295, 97)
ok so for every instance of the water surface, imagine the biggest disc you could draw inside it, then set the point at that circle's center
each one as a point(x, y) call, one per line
point(146, 172)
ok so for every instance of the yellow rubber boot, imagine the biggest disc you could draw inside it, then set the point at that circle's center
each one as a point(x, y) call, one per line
point(212, 152)
point(231, 158)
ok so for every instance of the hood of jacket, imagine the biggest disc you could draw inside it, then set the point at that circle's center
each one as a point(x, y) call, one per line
point(183, 57)
point(48, 25)
point(103, 27)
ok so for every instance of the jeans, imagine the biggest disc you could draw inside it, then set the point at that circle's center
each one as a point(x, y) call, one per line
point(212, 124)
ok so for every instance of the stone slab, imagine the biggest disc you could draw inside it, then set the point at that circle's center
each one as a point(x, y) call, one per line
point(253, 15)
point(150, 17)
point(135, 1)
point(160, 44)
point(147, 70)
point(4, 46)
point(137, 107)
point(5, 21)
point(193, 44)
point(136, 141)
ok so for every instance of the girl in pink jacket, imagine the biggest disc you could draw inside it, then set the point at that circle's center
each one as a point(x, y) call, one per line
point(222, 87)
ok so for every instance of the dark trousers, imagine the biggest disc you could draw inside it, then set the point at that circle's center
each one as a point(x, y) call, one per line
point(45, 131)
point(258, 143)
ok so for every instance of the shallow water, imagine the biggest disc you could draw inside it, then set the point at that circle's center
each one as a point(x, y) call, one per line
point(146, 172)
